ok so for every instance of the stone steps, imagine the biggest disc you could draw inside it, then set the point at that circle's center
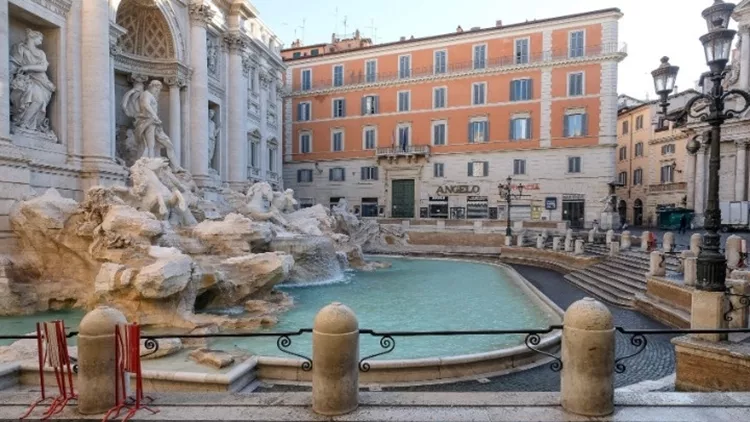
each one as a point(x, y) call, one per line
point(599, 292)
point(631, 284)
point(614, 287)
point(662, 312)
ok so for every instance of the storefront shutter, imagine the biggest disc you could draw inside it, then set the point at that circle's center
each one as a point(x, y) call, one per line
point(486, 168)
point(374, 173)
point(469, 173)
point(585, 123)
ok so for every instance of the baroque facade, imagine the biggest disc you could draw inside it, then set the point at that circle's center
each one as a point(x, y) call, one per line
point(428, 127)
point(93, 85)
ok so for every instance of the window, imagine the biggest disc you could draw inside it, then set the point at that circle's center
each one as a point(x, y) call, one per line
point(440, 62)
point(339, 107)
point(370, 104)
point(404, 138)
point(622, 178)
point(438, 170)
point(306, 79)
point(371, 71)
point(369, 138)
point(337, 141)
point(519, 166)
point(479, 131)
point(623, 153)
point(639, 123)
point(667, 149)
point(439, 130)
point(667, 173)
point(661, 125)
point(254, 154)
point(338, 75)
point(404, 67)
point(574, 164)
point(403, 101)
point(477, 93)
point(439, 97)
point(479, 168)
point(251, 81)
point(625, 126)
point(522, 51)
point(576, 46)
point(303, 111)
point(639, 149)
point(575, 84)
point(296, 55)
point(575, 125)
point(369, 173)
point(480, 56)
point(637, 177)
point(305, 143)
point(272, 159)
point(336, 174)
point(304, 176)
point(314, 52)
point(520, 128)
point(520, 90)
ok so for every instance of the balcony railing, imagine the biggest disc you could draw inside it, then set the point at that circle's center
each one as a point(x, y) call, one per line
point(668, 187)
point(403, 152)
point(468, 66)
point(272, 175)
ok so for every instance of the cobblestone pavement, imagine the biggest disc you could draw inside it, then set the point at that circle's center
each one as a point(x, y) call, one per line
point(655, 362)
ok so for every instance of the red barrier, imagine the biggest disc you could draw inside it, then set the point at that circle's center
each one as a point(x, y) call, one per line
point(52, 349)
point(127, 362)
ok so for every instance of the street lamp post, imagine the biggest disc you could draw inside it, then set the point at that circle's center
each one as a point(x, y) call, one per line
point(711, 108)
point(506, 192)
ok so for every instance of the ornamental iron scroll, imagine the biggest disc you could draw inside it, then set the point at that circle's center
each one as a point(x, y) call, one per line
point(744, 303)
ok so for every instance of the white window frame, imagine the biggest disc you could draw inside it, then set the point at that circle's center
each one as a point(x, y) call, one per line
point(473, 98)
point(301, 134)
point(523, 160)
point(570, 37)
point(365, 129)
point(398, 101)
point(310, 172)
point(333, 107)
point(333, 75)
point(343, 139)
point(376, 70)
point(370, 174)
point(525, 116)
point(434, 62)
point(399, 66)
point(476, 119)
point(583, 83)
point(528, 49)
point(531, 89)
point(302, 79)
point(411, 134)
point(474, 53)
point(442, 170)
point(580, 164)
point(473, 162)
point(309, 111)
point(374, 96)
point(637, 171)
point(434, 91)
point(432, 132)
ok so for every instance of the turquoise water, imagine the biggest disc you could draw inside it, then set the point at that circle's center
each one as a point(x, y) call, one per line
point(414, 295)
point(21, 325)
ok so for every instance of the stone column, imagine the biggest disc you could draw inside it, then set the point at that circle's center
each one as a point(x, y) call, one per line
point(4, 71)
point(740, 180)
point(690, 178)
point(237, 112)
point(700, 186)
point(96, 360)
point(335, 350)
point(175, 115)
point(744, 33)
point(200, 15)
point(657, 264)
point(587, 380)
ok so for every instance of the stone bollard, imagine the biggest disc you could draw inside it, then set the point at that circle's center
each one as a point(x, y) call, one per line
point(657, 265)
point(707, 312)
point(739, 316)
point(683, 256)
point(540, 242)
point(668, 242)
point(691, 271)
point(645, 236)
point(335, 350)
point(696, 243)
point(556, 243)
point(587, 380)
point(568, 244)
point(579, 247)
point(96, 360)
point(545, 235)
point(610, 236)
point(614, 248)
point(592, 235)
point(520, 239)
point(625, 240)
point(509, 240)
point(732, 251)
point(569, 233)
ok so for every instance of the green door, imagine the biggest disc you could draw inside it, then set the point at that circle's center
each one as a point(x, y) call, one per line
point(402, 199)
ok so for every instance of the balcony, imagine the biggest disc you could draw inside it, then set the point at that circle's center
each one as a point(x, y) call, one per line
point(410, 154)
point(272, 176)
point(467, 67)
point(668, 187)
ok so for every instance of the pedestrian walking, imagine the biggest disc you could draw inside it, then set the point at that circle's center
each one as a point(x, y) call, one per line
point(683, 223)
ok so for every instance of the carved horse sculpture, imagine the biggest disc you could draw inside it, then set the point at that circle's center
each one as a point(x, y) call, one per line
point(260, 205)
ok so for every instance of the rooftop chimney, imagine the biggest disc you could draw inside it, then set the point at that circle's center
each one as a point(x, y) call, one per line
point(459, 29)
point(498, 23)
point(403, 39)
point(476, 28)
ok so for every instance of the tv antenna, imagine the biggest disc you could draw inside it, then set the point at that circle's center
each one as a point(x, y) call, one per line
point(373, 30)
point(344, 22)
point(302, 27)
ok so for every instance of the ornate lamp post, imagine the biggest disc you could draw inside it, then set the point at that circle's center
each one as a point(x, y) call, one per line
point(506, 192)
point(710, 108)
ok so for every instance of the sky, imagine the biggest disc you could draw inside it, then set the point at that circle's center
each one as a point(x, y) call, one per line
point(650, 28)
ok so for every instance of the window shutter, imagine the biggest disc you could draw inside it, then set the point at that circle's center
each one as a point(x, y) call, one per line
point(374, 173)
point(510, 130)
point(486, 168)
point(364, 105)
point(585, 124)
point(343, 108)
point(469, 167)
point(471, 135)
point(330, 174)
point(512, 92)
point(299, 176)
point(487, 131)
point(376, 104)
point(435, 170)
point(343, 174)
point(362, 173)
point(531, 89)
point(566, 128)
point(530, 125)
point(299, 111)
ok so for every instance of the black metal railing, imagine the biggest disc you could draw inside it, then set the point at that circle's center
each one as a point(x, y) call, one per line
point(360, 77)
point(406, 150)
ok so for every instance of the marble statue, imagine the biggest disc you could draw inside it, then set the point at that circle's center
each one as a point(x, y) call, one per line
point(213, 135)
point(260, 204)
point(30, 88)
point(142, 105)
point(212, 54)
point(284, 201)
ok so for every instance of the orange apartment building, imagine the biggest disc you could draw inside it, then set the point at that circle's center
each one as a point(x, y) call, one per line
point(428, 127)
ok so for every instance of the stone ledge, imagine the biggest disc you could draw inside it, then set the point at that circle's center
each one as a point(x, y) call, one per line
point(707, 366)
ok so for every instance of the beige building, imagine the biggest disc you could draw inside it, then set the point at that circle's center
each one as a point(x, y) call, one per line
point(633, 134)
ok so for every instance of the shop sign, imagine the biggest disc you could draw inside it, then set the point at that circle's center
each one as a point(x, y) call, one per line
point(550, 203)
point(457, 190)
point(530, 186)
point(477, 198)
point(438, 199)
point(573, 196)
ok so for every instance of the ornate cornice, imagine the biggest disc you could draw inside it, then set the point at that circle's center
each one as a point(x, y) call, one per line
point(155, 68)
point(115, 32)
point(247, 65)
point(58, 7)
point(741, 143)
point(175, 81)
point(200, 13)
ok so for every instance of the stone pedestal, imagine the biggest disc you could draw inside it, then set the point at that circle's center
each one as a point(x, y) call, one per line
point(96, 360)
point(732, 251)
point(691, 271)
point(508, 240)
point(335, 349)
point(539, 242)
point(684, 255)
point(645, 236)
point(707, 312)
point(520, 239)
point(696, 242)
point(614, 248)
point(592, 236)
point(579, 247)
point(625, 240)
point(588, 356)
point(657, 265)
point(668, 242)
point(740, 314)
point(568, 244)
point(556, 243)
point(610, 220)
point(609, 236)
